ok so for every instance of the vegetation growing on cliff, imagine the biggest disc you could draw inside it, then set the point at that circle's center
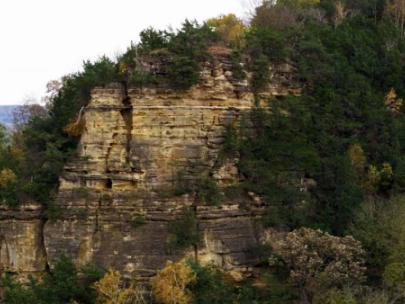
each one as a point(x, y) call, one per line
point(331, 158)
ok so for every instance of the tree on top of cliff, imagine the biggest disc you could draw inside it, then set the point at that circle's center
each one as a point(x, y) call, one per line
point(230, 28)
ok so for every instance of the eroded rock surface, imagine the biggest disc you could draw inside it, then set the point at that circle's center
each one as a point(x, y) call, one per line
point(134, 144)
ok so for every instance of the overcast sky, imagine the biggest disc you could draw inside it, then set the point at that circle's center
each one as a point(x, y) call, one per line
point(43, 40)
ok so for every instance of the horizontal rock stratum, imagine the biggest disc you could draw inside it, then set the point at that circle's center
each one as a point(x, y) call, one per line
point(134, 144)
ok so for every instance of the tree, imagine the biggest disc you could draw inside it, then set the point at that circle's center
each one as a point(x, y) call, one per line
point(358, 160)
point(317, 260)
point(394, 279)
point(380, 227)
point(392, 102)
point(23, 114)
point(152, 39)
point(279, 17)
point(170, 285)
point(111, 289)
point(183, 231)
point(230, 28)
point(65, 283)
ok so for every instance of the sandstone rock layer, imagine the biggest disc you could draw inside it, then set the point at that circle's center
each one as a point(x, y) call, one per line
point(134, 144)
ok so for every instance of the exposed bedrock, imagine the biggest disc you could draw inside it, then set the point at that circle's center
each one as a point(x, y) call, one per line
point(134, 144)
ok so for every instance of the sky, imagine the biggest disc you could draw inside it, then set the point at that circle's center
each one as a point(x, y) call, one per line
point(42, 40)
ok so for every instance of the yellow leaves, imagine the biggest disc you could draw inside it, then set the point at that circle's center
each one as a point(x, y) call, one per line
point(111, 291)
point(379, 179)
point(170, 284)
point(7, 176)
point(77, 126)
point(230, 28)
point(392, 102)
point(369, 177)
point(122, 67)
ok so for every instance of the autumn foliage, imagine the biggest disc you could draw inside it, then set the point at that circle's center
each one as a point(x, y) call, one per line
point(111, 290)
point(170, 284)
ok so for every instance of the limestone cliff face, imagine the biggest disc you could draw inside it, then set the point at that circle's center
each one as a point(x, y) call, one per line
point(134, 144)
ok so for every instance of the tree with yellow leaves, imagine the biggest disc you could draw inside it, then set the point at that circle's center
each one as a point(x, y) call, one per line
point(7, 176)
point(110, 290)
point(169, 286)
point(392, 102)
point(77, 125)
point(230, 28)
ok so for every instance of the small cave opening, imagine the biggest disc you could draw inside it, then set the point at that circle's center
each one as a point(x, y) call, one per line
point(108, 183)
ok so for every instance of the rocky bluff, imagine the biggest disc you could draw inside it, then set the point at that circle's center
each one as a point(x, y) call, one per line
point(134, 144)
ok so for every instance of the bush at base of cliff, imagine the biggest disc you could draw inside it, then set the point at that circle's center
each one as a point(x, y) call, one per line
point(111, 289)
point(380, 226)
point(211, 286)
point(64, 284)
point(319, 261)
point(170, 285)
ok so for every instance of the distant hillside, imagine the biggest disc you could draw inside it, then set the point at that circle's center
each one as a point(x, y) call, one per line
point(6, 115)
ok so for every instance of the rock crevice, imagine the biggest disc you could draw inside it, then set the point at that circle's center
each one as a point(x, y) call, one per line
point(135, 142)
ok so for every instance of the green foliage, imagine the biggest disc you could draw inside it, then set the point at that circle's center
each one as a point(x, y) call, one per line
point(335, 296)
point(183, 231)
point(211, 285)
point(152, 39)
point(264, 45)
point(379, 226)
point(394, 276)
point(347, 71)
point(188, 48)
point(207, 191)
point(230, 144)
point(276, 157)
point(204, 188)
point(8, 194)
point(238, 72)
point(43, 139)
point(181, 53)
point(138, 221)
point(64, 284)
point(183, 72)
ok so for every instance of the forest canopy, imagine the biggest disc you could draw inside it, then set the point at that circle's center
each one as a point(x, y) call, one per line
point(331, 158)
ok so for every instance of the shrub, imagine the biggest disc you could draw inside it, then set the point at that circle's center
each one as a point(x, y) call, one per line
point(152, 39)
point(237, 69)
point(183, 72)
point(335, 296)
point(183, 231)
point(138, 221)
point(207, 191)
point(211, 285)
point(64, 284)
point(111, 289)
point(230, 145)
point(317, 260)
point(170, 285)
